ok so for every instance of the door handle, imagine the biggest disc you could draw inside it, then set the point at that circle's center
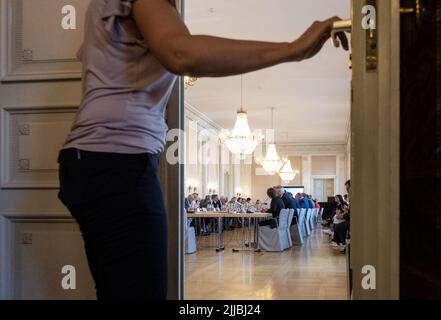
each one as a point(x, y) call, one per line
point(340, 26)
point(418, 10)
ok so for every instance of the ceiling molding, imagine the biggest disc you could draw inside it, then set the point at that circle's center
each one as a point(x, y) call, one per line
point(311, 149)
point(286, 148)
point(192, 113)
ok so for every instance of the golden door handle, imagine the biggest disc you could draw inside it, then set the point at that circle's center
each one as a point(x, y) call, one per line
point(340, 26)
point(418, 9)
point(407, 10)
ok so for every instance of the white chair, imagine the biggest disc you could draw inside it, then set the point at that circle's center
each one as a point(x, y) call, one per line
point(320, 216)
point(297, 230)
point(301, 221)
point(307, 223)
point(290, 218)
point(275, 239)
point(316, 216)
point(190, 237)
point(312, 219)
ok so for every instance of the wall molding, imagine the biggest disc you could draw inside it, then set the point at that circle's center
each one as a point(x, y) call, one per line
point(7, 241)
point(17, 63)
point(192, 113)
point(9, 149)
point(311, 149)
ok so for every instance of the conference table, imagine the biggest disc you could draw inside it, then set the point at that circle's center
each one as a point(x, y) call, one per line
point(257, 216)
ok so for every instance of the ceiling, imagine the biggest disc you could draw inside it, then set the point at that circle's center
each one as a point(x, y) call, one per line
point(311, 98)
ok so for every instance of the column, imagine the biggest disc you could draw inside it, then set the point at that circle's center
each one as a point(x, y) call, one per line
point(306, 173)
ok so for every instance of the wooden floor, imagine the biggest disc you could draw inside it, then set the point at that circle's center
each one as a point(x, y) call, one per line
point(313, 271)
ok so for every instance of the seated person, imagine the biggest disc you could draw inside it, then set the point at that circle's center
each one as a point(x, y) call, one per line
point(258, 205)
point(317, 204)
point(341, 209)
point(217, 204)
point(341, 230)
point(276, 206)
point(340, 202)
point(288, 201)
point(250, 208)
point(302, 203)
point(311, 202)
point(189, 203)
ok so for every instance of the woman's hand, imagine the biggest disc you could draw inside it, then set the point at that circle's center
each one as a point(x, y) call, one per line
point(313, 39)
point(339, 216)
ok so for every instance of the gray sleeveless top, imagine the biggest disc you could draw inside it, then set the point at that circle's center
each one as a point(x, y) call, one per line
point(125, 88)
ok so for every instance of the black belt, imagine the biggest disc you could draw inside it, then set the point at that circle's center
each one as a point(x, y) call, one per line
point(73, 154)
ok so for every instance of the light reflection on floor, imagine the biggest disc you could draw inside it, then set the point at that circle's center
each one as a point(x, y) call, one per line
point(313, 271)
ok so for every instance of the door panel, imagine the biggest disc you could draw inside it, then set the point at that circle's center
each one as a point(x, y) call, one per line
point(37, 275)
point(37, 234)
point(375, 151)
point(323, 188)
point(320, 189)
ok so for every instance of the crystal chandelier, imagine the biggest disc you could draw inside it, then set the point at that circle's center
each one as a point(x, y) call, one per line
point(189, 81)
point(241, 141)
point(272, 162)
point(287, 173)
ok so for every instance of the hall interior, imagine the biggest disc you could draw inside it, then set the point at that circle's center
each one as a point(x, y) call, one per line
point(304, 110)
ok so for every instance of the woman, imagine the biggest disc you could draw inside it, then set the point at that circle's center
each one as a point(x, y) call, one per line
point(340, 205)
point(132, 52)
point(340, 221)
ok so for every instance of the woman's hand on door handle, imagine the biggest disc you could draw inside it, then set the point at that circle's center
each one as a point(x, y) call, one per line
point(183, 53)
point(313, 39)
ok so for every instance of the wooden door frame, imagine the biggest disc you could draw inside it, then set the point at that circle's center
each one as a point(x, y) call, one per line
point(172, 182)
point(375, 154)
point(375, 124)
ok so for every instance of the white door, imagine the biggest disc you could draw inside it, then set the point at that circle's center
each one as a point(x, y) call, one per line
point(375, 152)
point(323, 188)
point(39, 94)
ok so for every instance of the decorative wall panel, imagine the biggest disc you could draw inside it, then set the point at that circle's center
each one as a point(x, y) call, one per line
point(31, 139)
point(36, 251)
point(34, 45)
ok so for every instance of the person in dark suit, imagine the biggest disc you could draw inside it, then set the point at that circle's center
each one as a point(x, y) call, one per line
point(288, 201)
point(276, 206)
point(310, 201)
point(188, 202)
point(217, 204)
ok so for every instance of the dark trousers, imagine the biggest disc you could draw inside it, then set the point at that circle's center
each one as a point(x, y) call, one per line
point(272, 223)
point(340, 232)
point(117, 201)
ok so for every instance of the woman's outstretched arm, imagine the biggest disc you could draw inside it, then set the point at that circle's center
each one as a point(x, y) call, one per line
point(205, 56)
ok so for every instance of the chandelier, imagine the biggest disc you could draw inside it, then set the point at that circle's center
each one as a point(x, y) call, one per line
point(272, 162)
point(287, 173)
point(189, 81)
point(241, 141)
